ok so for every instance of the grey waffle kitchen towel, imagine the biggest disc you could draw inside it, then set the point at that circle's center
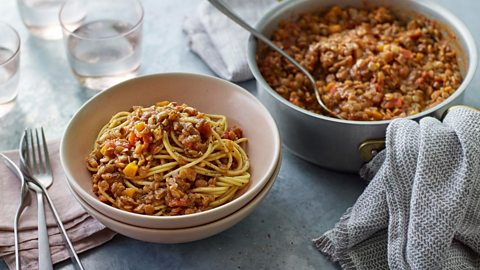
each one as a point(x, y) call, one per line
point(220, 42)
point(421, 210)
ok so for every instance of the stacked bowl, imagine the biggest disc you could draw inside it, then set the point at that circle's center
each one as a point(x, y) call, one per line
point(208, 95)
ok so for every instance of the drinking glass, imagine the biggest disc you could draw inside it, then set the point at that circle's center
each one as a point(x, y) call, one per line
point(103, 40)
point(41, 17)
point(9, 62)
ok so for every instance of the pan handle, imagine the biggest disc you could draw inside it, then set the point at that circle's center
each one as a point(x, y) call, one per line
point(369, 148)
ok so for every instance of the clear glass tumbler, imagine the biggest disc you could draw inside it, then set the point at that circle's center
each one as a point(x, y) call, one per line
point(41, 17)
point(103, 40)
point(9, 62)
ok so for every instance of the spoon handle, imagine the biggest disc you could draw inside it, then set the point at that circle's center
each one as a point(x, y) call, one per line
point(227, 12)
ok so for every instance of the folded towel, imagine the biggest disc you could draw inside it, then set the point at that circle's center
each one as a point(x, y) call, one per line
point(220, 42)
point(84, 231)
point(421, 210)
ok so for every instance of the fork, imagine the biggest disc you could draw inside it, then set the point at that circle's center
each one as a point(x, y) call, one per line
point(35, 164)
point(38, 165)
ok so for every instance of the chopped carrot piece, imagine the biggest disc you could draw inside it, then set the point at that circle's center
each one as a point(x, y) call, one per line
point(329, 86)
point(131, 169)
point(140, 126)
point(162, 103)
point(129, 192)
point(420, 56)
point(335, 28)
point(104, 149)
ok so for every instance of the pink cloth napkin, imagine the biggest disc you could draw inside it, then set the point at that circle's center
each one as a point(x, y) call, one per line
point(84, 231)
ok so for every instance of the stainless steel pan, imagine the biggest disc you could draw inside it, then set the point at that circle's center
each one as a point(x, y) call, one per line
point(340, 144)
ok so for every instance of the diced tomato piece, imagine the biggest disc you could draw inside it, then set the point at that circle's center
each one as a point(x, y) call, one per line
point(178, 202)
point(333, 89)
point(147, 138)
point(205, 129)
point(398, 103)
point(394, 103)
point(233, 133)
point(132, 138)
point(407, 53)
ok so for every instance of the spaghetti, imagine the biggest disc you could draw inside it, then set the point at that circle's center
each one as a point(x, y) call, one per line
point(168, 159)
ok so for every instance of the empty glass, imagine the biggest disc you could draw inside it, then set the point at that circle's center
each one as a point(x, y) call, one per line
point(9, 62)
point(41, 17)
point(103, 40)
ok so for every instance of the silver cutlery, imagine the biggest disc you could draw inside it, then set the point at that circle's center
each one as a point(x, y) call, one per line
point(23, 202)
point(25, 186)
point(36, 162)
point(35, 165)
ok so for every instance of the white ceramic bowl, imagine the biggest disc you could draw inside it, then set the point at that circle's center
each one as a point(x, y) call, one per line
point(171, 236)
point(207, 94)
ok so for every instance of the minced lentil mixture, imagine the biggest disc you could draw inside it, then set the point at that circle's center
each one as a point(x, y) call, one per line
point(368, 64)
point(168, 159)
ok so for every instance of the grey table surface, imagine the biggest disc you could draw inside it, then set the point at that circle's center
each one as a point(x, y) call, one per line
point(305, 201)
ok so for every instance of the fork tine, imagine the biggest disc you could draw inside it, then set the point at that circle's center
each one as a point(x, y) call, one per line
point(32, 152)
point(48, 167)
point(23, 146)
point(37, 148)
point(28, 154)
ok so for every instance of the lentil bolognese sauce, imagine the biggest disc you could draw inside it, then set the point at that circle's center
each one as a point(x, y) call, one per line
point(368, 64)
point(168, 159)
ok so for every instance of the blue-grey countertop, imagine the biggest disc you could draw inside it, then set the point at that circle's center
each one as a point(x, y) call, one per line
point(305, 201)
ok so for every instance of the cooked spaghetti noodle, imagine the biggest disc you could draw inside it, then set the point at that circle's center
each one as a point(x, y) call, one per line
point(168, 159)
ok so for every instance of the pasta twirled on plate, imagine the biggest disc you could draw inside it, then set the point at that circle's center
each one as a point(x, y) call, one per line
point(168, 159)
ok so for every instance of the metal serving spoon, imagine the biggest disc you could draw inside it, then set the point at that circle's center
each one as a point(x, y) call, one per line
point(222, 8)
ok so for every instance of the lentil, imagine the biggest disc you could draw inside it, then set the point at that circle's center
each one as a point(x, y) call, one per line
point(368, 64)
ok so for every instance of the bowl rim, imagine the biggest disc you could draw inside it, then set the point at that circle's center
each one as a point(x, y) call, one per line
point(179, 218)
point(453, 23)
point(182, 235)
